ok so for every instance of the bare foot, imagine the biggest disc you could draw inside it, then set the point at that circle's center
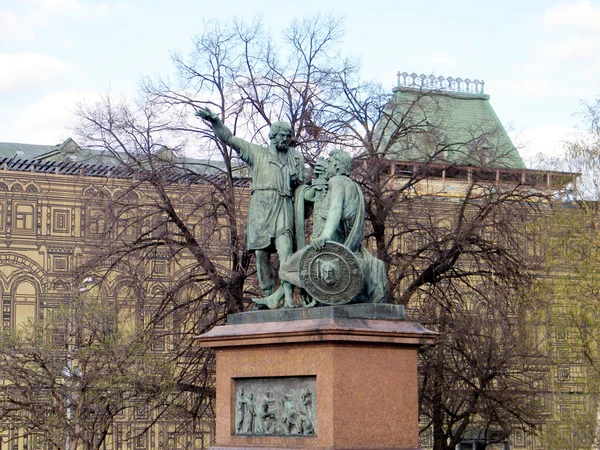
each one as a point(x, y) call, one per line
point(289, 303)
point(272, 301)
point(308, 301)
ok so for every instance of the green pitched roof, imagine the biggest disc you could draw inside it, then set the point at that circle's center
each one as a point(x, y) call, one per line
point(449, 127)
point(67, 150)
point(70, 151)
point(25, 151)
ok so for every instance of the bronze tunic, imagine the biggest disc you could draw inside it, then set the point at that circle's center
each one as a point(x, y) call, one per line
point(274, 178)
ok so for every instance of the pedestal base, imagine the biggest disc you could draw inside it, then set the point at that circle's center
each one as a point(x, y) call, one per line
point(361, 361)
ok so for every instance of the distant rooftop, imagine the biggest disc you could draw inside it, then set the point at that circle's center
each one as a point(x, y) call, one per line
point(35, 159)
point(101, 161)
point(453, 122)
point(30, 151)
point(68, 150)
point(108, 171)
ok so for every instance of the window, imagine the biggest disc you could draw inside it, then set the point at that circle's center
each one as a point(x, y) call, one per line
point(25, 303)
point(158, 342)
point(2, 211)
point(141, 439)
point(6, 311)
point(519, 438)
point(19, 305)
point(126, 227)
point(97, 222)
point(24, 217)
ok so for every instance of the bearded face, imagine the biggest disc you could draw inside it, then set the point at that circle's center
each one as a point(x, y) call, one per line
point(281, 139)
point(329, 273)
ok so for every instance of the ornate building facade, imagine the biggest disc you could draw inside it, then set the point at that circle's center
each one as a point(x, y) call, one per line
point(49, 215)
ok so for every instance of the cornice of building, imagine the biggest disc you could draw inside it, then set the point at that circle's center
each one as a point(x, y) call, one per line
point(531, 177)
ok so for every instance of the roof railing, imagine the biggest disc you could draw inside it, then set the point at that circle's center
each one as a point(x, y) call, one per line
point(447, 84)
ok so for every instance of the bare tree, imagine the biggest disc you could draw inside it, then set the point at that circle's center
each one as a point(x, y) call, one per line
point(461, 261)
point(190, 213)
point(171, 231)
point(443, 257)
point(65, 379)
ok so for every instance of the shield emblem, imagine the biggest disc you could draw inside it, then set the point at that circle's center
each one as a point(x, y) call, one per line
point(333, 275)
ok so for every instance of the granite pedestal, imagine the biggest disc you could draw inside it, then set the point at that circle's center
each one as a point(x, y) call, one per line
point(361, 361)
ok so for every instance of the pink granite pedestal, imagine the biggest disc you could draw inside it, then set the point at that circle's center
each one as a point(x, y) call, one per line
point(365, 370)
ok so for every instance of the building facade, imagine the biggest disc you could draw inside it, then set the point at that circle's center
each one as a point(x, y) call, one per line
point(52, 214)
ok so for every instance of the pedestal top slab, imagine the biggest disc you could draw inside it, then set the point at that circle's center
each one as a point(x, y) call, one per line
point(367, 323)
point(382, 311)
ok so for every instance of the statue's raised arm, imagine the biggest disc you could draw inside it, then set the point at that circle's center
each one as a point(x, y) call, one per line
point(223, 133)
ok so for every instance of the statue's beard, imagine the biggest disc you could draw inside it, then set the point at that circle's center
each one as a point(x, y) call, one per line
point(330, 280)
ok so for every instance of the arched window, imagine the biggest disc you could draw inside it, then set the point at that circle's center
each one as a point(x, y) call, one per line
point(25, 303)
point(127, 307)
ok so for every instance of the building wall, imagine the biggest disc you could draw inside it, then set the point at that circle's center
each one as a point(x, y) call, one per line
point(47, 226)
point(47, 222)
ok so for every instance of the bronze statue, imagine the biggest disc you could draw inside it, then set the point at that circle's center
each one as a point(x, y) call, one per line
point(276, 172)
point(335, 268)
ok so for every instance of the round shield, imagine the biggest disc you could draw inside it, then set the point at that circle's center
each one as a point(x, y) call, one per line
point(333, 275)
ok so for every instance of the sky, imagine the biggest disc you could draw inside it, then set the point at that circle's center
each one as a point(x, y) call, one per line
point(538, 58)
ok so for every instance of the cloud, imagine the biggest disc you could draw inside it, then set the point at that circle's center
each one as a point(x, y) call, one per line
point(81, 10)
point(567, 49)
point(569, 32)
point(42, 15)
point(443, 60)
point(60, 6)
point(562, 59)
point(51, 120)
point(530, 87)
point(14, 28)
point(580, 14)
point(546, 139)
point(27, 69)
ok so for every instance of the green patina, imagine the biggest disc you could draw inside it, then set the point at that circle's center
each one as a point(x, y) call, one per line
point(457, 127)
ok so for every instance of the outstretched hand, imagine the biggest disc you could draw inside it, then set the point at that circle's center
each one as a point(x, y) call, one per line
point(207, 114)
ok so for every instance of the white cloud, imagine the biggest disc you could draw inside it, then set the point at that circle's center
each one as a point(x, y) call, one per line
point(60, 6)
point(568, 48)
point(546, 139)
point(563, 59)
point(525, 87)
point(580, 14)
point(81, 10)
point(45, 14)
point(443, 60)
point(28, 69)
point(51, 120)
point(14, 28)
